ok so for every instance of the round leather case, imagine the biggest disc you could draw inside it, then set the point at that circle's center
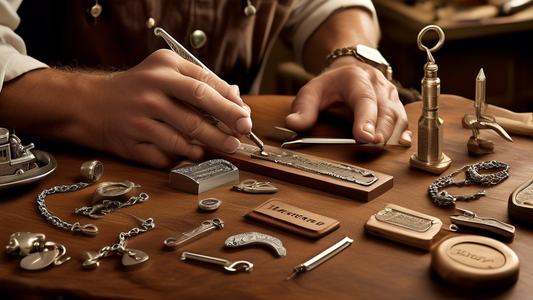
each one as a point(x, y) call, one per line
point(475, 262)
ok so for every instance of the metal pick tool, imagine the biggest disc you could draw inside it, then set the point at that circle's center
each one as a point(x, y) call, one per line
point(188, 237)
point(322, 257)
point(182, 51)
point(228, 265)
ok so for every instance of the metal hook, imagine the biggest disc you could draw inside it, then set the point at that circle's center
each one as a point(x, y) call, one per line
point(439, 44)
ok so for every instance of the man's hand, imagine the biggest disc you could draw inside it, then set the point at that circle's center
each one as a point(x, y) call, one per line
point(367, 96)
point(138, 114)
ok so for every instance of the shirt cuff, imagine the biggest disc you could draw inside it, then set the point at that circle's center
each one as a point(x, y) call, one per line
point(14, 64)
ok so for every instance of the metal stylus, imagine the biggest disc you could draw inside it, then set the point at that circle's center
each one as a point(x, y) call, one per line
point(181, 51)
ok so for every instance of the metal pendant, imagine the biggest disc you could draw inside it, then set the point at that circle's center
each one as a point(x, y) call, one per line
point(39, 260)
point(133, 258)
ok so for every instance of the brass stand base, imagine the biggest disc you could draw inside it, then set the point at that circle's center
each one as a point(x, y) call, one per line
point(434, 167)
point(480, 146)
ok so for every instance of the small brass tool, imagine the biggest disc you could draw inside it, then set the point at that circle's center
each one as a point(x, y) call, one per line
point(429, 156)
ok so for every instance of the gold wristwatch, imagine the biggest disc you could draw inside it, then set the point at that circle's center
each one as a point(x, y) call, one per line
point(365, 54)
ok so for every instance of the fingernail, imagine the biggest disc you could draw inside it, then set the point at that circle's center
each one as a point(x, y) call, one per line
point(244, 125)
point(231, 144)
point(369, 128)
point(405, 139)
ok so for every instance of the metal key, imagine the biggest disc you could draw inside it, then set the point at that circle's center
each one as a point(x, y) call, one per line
point(228, 265)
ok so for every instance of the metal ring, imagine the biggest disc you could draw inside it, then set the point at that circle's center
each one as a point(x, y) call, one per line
point(421, 35)
point(209, 204)
point(92, 170)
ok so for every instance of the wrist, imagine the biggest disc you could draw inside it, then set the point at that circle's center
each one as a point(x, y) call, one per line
point(363, 54)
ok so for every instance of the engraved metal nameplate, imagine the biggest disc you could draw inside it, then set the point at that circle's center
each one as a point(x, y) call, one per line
point(405, 220)
point(405, 226)
point(204, 176)
point(335, 170)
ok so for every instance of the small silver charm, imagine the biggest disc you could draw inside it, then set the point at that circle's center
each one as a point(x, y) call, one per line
point(92, 170)
point(188, 237)
point(209, 204)
point(132, 258)
point(254, 187)
point(471, 221)
point(228, 265)
point(38, 253)
point(51, 253)
point(256, 238)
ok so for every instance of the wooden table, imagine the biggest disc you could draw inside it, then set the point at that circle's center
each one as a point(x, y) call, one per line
point(371, 268)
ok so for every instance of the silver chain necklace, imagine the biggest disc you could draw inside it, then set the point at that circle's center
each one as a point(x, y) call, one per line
point(130, 257)
point(443, 198)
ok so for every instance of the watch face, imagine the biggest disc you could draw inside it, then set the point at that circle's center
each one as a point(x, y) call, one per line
point(371, 54)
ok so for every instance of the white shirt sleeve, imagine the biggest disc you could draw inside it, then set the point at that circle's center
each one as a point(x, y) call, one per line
point(13, 59)
point(308, 15)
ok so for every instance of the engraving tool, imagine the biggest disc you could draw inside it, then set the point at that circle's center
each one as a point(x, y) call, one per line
point(182, 51)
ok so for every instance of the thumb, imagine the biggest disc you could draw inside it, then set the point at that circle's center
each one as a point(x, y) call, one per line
point(305, 109)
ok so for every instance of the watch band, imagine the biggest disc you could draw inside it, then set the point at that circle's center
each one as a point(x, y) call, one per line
point(365, 54)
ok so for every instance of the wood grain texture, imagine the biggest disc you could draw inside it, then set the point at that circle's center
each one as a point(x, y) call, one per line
point(372, 268)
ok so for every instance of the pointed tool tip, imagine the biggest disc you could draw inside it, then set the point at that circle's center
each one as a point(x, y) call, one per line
point(481, 75)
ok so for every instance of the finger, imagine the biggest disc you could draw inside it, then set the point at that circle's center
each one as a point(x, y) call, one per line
point(200, 94)
point(174, 135)
point(392, 119)
point(361, 98)
point(169, 140)
point(305, 108)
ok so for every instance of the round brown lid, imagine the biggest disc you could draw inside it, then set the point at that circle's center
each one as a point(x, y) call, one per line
point(475, 261)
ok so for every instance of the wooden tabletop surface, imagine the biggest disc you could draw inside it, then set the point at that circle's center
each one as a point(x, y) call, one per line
point(371, 268)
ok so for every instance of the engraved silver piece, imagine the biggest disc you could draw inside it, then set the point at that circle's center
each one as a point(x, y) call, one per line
point(317, 141)
point(92, 170)
point(228, 265)
point(442, 198)
point(209, 204)
point(188, 237)
point(184, 53)
point(254, 187)
point(204, 176)
point(131, 258)
point(37, 253)
point(469, 219)
point(322, 257)
point(405, 220)
point(256, 238)
point(332, 169)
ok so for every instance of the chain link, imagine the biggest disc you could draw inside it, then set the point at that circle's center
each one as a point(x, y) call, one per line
point(100, 210)
point(472, 176)
point(49, 216)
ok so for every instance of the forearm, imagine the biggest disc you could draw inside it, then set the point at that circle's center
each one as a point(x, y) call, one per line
point(345, 28)
point(49, 103)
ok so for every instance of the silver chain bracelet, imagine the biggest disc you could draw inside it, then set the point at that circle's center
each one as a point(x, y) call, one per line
point(88, 229)
point(472, 176)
